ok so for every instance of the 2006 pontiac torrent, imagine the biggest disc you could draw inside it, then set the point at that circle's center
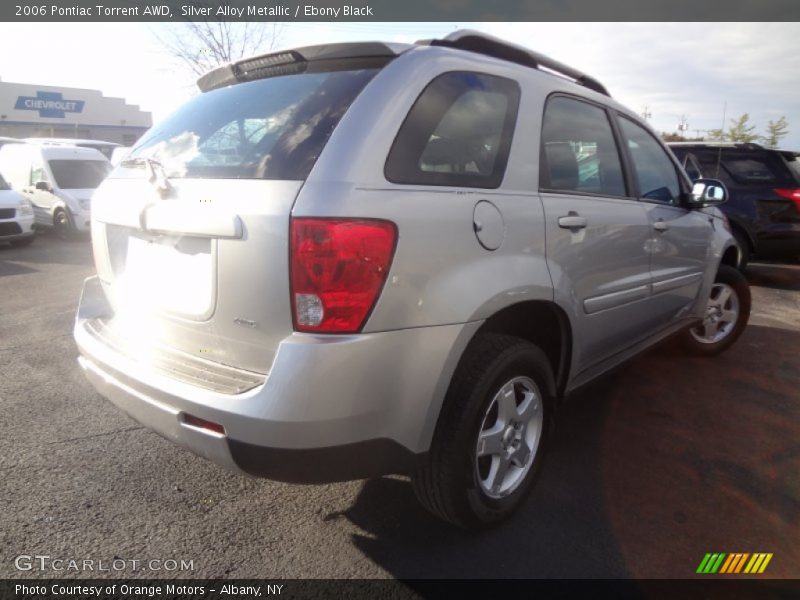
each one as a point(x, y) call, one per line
point(350, 260)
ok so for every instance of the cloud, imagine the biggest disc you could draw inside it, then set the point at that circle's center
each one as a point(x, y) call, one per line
point(692, 69)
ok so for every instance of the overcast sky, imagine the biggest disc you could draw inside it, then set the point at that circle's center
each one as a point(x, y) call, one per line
point(695, 70)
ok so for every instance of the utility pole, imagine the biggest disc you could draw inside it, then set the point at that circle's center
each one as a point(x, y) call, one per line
point(646, 114)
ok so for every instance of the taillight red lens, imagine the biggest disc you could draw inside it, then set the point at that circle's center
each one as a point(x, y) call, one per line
point(338, 268)
point(792, 194)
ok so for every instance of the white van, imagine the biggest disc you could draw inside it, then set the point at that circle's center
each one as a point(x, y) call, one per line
point(105, 148)
point(58, 180)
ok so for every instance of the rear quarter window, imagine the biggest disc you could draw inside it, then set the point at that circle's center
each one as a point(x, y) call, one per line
point(793, 162)
point(457, 133)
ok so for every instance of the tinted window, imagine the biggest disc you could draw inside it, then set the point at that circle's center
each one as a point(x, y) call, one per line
point(735, 167)
point(578, 149)
point(272, 128)
point(457, 133)
point(749, 169)
point(79, 174)
point(658, 178)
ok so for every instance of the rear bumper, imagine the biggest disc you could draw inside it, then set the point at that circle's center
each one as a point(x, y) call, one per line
point(332, 408)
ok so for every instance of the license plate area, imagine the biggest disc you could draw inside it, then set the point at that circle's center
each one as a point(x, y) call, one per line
point(171, 274)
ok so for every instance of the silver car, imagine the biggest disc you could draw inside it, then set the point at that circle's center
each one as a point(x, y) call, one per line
point(350, 260)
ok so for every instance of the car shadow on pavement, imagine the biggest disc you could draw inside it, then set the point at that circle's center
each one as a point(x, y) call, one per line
point(651, 467)
point(560, 531)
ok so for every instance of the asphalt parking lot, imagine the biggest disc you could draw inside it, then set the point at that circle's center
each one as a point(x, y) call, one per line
point(670, 458)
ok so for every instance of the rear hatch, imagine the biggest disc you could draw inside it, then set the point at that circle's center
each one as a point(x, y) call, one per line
point(191, 231)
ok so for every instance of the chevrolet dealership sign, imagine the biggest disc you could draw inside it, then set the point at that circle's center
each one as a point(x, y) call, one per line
point(49, 104)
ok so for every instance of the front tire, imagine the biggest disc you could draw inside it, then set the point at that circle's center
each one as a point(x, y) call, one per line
point(63, 225)
point(744, 248)
point(726, 316)
point(491, 435)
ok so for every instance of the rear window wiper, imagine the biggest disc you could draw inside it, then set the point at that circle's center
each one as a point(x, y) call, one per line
point(157, 174)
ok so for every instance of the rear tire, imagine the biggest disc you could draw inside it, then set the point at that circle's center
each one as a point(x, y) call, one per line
point(491, 434)
point(727, 313)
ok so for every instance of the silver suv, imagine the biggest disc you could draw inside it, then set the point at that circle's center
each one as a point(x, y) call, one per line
point(349, 260)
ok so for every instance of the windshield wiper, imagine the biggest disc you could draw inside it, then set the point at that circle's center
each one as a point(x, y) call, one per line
point(157, 173)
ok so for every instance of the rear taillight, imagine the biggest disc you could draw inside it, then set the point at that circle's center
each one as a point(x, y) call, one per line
point(338, 268)
point(792, 194)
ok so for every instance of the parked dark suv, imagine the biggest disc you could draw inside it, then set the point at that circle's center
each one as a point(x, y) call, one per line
point(764, 194)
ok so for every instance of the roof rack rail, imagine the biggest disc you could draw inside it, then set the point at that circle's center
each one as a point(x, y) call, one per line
point(720, 144)
point(481, 43)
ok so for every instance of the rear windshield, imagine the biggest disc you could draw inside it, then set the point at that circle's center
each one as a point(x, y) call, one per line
point(270, 128)
point(79, 174)
point(743, 167)
point(749, 169)
point(106, 151)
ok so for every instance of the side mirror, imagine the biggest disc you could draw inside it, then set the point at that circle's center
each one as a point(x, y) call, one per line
point(43, 186)
point(707, 192)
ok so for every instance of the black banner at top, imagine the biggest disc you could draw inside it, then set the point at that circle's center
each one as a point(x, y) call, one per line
point(399, 10)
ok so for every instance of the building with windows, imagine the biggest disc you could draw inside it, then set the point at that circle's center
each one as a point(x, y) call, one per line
point(32, 110)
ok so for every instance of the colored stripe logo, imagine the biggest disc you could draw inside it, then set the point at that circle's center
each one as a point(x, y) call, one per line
point(737, 562)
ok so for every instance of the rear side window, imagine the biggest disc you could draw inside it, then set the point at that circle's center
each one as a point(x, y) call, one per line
point(579, 153)
point(657, 175)
point(273, 128)
point(458, 133)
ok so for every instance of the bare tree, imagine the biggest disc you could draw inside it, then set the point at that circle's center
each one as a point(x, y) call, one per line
point(203, 45)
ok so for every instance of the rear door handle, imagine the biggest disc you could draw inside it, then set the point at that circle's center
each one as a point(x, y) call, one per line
point(572, 221)
point(660, 226)
point(187, 218)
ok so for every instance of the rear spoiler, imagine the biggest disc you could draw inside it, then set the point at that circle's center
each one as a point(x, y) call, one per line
point(296, 61)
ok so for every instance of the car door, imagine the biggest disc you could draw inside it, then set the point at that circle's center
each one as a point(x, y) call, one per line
point(597, 234)
point(42, 200)
point(680, 239)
